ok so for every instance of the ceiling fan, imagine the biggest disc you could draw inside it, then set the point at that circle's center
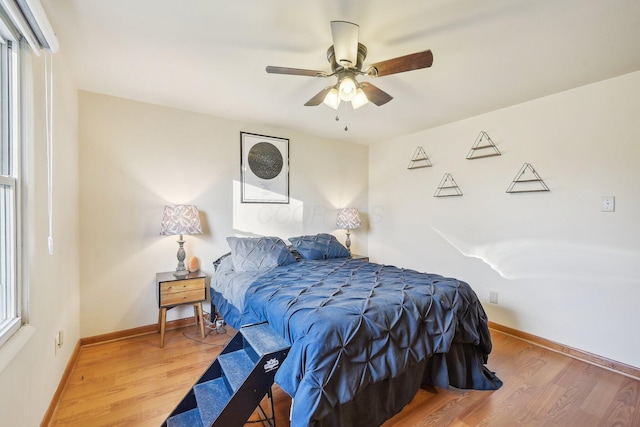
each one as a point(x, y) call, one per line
point(346, 57)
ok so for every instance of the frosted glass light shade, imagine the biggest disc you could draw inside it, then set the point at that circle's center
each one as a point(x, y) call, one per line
point(359, 100)
point(347, 89)
point(332, 99)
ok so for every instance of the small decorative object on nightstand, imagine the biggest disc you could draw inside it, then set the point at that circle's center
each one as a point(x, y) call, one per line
point(348, 219)
point(173, 291)
point(180, 219)
point(194, 264)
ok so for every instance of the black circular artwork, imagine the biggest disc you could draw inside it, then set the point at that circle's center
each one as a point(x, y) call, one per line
point(265, 160)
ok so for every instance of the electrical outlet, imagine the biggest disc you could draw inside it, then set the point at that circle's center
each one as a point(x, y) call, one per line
point(493, 297)
point(608, 204)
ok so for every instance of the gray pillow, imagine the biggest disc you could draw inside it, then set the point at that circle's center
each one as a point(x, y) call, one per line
point(254, 253)
point(319, 246)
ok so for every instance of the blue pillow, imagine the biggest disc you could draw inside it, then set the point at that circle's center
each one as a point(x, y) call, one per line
point(254, 253)
point(319, 246)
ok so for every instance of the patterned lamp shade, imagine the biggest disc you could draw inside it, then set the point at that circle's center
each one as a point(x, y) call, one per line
point(348, 219)
point(180, 219)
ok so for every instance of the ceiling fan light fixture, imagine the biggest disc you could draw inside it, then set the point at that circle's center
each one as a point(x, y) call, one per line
point(347, 89)
point(332, 99)
point(359, 100)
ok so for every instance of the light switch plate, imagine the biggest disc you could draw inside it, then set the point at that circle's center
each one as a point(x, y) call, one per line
point(493, 297)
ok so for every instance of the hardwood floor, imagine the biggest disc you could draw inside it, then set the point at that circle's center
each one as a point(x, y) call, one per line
point(133, 382)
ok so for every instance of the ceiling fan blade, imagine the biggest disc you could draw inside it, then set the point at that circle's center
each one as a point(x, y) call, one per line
point(295, 71)
point(318, 98)
point(345, 42)
point(401, 64)
point(374, 94)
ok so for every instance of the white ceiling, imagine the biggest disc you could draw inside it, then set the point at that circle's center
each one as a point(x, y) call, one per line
point(209, 56)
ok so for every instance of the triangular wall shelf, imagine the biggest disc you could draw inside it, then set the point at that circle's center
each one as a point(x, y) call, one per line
point(527, 180)
point(419, 159)
point(448, 187)
point(483, 147)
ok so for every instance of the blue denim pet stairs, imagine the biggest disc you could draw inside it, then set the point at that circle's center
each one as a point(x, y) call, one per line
point(231, 388)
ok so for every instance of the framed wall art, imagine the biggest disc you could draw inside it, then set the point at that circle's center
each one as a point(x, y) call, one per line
point(264, 169)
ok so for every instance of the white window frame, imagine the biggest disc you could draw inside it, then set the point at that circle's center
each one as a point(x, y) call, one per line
point(12, 303)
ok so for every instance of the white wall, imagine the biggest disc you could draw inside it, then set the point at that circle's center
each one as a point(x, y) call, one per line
point(137, 157)
point(563, 269)
point(29, 381)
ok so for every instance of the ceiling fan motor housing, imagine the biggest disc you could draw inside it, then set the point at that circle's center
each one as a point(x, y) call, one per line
point(335, 66)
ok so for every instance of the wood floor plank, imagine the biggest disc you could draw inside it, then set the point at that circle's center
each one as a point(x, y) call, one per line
point(624, 407)
point(601, 396)
point(134, 382)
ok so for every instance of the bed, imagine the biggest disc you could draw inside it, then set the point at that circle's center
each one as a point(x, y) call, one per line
point(364, 337)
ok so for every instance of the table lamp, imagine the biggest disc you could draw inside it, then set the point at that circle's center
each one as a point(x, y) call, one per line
point(348, 219)
point(179, 220)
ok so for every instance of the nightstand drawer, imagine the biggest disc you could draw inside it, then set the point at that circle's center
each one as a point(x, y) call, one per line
point(182, 291)
point(181, 286)
point(183, 297)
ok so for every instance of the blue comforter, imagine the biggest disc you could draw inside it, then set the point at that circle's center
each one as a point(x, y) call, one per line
point(352, 323)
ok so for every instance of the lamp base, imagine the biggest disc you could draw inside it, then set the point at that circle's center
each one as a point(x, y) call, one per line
point(347, 242)
point(180, 273)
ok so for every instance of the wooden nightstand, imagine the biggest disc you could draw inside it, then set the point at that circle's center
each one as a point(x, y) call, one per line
point(362, 257)
point(174, 291)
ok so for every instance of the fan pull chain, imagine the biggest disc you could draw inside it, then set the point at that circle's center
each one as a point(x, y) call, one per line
point(346, 126)
point(346, 107)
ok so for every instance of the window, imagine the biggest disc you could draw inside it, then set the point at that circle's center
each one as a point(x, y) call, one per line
point(10, 290)
point(24, 21)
